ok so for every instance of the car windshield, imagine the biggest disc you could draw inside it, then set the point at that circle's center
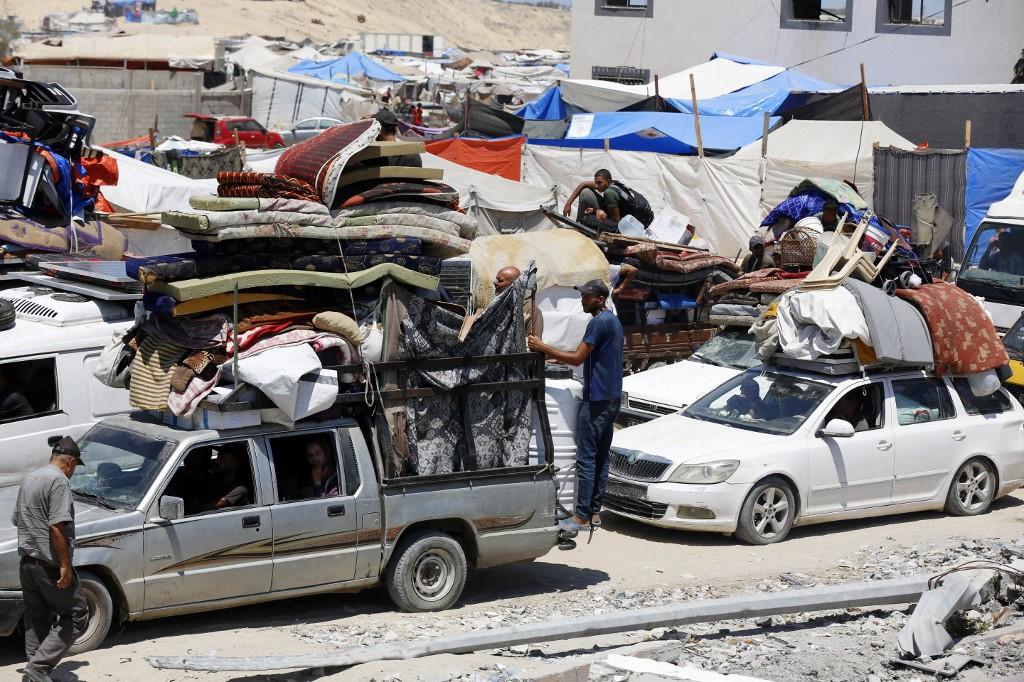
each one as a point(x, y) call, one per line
point(996, 256)
point(1014, 338)
point(729, 348)
point(119, 465)
point(761, 401)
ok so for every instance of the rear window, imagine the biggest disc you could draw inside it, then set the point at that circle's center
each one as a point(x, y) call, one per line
point(995, 403)
point(922, 400)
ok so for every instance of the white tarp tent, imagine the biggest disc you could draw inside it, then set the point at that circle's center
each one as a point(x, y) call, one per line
point(713, 78)
point(720, 196)
point(840, 150)
point(280, 98)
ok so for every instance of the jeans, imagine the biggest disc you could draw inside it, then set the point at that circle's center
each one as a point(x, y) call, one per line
point(589, 199)
point(594, 432)
point(53, 617)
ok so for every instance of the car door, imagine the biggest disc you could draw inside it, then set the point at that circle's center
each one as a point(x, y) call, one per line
point(315, 525)
point(994, 426)
point(929, 438)
point(306, 129)
point(845, 474)
point(209, 554)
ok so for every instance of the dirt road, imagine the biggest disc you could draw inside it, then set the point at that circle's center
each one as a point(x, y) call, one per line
point(628, 565)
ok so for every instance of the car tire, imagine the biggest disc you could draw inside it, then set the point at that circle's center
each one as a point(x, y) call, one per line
point(767, 513)
point(427, 572)
point(101, 613)
point(972, 489)
point(7, 314)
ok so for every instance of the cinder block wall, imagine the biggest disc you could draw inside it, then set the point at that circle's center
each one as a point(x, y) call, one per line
point(126, 103)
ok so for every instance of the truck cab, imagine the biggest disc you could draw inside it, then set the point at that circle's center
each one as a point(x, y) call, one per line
point(172, 521)
point(993, 267)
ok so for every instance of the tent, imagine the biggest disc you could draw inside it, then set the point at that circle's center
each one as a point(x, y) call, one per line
point(502, 157)
point(714, 78)
point(666, 133)
point(840, 150)
point(279, 98)
point(548, 107)
point(344, 69)
point(991, 174)
point(772, 95)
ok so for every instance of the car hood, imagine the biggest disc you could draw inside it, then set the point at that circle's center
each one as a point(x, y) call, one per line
point(682, 439)
point(678, 384)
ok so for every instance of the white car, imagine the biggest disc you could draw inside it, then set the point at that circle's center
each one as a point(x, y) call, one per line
point(663, 390)
point(772, 448)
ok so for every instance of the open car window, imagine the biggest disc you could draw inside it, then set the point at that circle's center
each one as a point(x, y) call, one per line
point(994, 403)
point(28, 388)
point(766, 402)
point(212, 478)
point(307, 466)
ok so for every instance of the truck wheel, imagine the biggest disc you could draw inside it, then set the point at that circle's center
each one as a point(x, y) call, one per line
point(767, 513)
point(427, 572)
point(101, 613)
point(7, 314)
point(972, 490)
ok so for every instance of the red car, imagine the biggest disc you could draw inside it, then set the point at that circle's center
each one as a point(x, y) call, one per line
point(222, 130)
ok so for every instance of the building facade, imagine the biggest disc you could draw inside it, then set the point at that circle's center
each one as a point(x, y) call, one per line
point(898, 41)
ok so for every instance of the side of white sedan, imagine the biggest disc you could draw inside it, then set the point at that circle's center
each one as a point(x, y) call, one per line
point(772, 448)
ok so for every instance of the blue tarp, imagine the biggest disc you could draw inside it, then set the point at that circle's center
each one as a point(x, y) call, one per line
point(766, 96)
point(548, 108)
point(665, 133)
point(343, 69)
point(991, 174)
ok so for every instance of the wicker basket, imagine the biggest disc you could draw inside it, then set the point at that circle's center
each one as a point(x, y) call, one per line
point(798, 247)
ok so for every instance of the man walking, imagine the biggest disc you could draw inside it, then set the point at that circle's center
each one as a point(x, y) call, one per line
point(600, 353)
point(55, 610)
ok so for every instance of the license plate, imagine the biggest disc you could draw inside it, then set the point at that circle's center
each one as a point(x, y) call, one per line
point(629, 491)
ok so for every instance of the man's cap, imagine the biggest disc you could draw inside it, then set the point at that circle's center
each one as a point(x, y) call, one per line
point(594, 287)
point(65, 445)
point(756, 241)
point(386, 117)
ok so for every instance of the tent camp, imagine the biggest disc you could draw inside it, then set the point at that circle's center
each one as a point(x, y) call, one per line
point(665, 133)
point(344, 69)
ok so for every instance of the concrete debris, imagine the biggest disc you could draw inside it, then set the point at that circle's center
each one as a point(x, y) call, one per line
point(943, 667)
point(925, 633)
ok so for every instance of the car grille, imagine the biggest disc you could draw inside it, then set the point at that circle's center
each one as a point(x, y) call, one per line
point(654, 408)
point(641, 508)
point(639, 470)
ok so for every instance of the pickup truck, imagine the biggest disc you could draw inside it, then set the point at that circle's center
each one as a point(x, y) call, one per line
point(148, 546)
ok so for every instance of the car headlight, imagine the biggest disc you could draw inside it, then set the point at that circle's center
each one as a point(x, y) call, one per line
point(712, 472)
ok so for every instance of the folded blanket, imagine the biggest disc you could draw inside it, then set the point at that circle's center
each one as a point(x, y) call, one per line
point(434, 243)
point(209, 202)
point(176, 268)
point(419, 191)
point(243, 184)
point(407, 246)
point(467, 224)
point(212, 221)
point(320, 160)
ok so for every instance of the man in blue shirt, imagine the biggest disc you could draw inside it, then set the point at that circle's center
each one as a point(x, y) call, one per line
point(600, 353)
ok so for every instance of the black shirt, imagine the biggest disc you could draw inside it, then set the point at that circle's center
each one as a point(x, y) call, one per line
point(13, 405)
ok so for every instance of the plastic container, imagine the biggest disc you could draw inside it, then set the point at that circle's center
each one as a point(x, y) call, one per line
point(562, 401)
point(631, 227)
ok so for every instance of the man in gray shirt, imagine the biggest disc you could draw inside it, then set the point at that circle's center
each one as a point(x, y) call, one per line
point(55, 610)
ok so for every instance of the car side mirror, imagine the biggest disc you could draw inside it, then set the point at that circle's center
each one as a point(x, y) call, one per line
point(837, 428)
point(171, 508)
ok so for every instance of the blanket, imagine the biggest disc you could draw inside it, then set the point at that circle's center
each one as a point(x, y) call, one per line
point(185, 266)
point(963, 338)
point(468, 225)
point(434, 243)
point(419, 191)
point(209, 202)
point(94, 236)
point(244, 184)
point(672, 261)
point(211, 221)
point(407, 246)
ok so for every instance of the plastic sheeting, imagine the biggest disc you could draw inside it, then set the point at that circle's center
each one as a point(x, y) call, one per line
point(344, 69)
point(991, 174)
point(548, 107)
point(767, 96)
point(665, 133)
point(280, 98)
point(720, 196)
point(502, 157)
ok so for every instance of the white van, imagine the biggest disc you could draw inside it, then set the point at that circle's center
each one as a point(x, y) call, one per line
point(48, 357)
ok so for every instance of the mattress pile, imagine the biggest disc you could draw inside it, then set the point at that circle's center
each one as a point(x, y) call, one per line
point(285, 278)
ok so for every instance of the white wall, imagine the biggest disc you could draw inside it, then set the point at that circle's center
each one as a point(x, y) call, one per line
point(984, 44)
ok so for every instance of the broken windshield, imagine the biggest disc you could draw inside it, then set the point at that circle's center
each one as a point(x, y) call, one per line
point(118, 465)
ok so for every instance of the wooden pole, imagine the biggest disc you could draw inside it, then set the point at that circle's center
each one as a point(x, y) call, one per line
point(696, 117)
point(657, 94)
point(465, 113)
point(764, 135)
point(967, 134)
point(866, 111)
point(152, 139)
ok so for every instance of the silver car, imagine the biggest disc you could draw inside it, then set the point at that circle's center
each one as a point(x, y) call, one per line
point(307, 128)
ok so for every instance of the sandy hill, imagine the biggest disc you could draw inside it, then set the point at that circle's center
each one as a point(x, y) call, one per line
point(469, 23)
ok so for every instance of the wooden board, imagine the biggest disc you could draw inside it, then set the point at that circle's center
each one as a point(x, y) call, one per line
point(191, 289)
point(390, 173)
point(380, 150)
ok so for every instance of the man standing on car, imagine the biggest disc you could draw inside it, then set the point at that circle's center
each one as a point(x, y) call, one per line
point(44, 514)
point(600, 353)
